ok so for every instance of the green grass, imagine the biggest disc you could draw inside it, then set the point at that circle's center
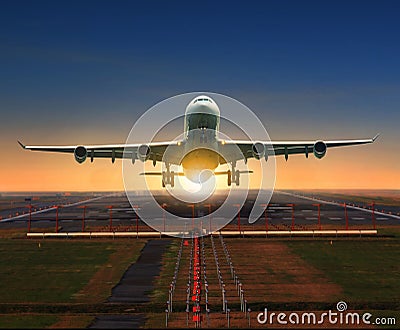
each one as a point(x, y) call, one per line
point(159, 293)
point(52, 272)
point(26, 321)
point(368, 270)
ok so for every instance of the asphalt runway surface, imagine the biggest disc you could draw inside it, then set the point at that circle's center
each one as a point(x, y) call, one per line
point(98, 216)
point(134, 287)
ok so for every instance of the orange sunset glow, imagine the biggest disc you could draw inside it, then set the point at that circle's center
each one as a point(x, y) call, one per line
point(351, 167)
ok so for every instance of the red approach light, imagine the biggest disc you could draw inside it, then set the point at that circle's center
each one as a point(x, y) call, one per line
point(196, 318)
point(196, 309)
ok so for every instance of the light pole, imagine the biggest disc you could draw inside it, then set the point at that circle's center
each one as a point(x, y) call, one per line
point(164, 205)
point(373, 215)
point(292, 227)
point(345, 216)
point(239, 207)
point(319, 215)
point(209, 216)
point(110, 207)
point(192, 206)
point(136, 207)
point(83, 217)
point(30, 218)
point(266, 218)
point(57, 207)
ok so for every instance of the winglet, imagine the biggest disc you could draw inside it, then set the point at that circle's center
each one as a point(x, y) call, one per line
point(375, 137)
point(22, 145)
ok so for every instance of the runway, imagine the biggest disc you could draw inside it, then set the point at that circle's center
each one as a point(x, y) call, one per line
point(286, 211)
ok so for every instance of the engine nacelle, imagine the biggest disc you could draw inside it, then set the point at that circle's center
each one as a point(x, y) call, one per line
point(80, 154)
point(143, 152)
point(258, 150)
point(319, 149)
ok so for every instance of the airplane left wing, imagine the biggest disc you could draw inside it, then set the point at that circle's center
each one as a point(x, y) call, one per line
point(259, 150)
point(153, 151)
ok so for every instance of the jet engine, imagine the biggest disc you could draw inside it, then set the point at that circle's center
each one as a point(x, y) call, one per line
point(143, 152)
point(80, 154)
point(319, 149)
point(258, 150)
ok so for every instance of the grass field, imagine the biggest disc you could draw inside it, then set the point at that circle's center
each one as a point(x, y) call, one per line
point(45, 272)
point(27, 321)
point(368, 270)
point(37, 276)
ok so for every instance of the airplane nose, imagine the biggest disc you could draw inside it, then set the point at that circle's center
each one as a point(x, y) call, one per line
point(202, 108)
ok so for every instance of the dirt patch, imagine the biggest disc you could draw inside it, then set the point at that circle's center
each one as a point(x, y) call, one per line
point(271, 272)
point(108, 275)
point(72, 322)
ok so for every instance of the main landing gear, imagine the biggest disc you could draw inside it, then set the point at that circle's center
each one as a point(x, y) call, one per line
point(233, 176)
point(168, 177)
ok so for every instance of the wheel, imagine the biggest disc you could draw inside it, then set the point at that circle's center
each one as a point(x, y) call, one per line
point(172, 181)
point(229, 178)
point(237, 178)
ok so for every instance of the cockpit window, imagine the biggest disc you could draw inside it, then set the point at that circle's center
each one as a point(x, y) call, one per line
point(205, 100)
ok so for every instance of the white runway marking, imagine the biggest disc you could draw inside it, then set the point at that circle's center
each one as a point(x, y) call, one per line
point(381, 218)
point(356, 218)
point(338, 204)
point(335, 218)
point(311, 218)
point(53, 208)
point(306, 210)
point(280, 208)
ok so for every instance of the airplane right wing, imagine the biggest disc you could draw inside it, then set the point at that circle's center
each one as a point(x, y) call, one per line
point(259, 150)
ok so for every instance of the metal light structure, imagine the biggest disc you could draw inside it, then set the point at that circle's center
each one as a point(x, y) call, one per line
point(209, 216)
point(319, 215)
point(192, 206)
point(292, 227)
point(373, 215)
point(345, 216)
point(110, 207)
point(164, 205)
point(266, 217)
point(30, 217)
point(83, 216)
point(239, 207)
point(57, 207)
point(136, 207)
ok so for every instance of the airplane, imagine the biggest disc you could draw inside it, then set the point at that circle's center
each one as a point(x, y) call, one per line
point(200, 148)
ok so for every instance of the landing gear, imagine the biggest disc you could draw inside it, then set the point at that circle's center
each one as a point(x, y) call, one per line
point(168, 177)
point(233, 176)
point(237, 177)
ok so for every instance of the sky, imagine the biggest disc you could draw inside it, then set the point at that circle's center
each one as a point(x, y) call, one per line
point(82, 72)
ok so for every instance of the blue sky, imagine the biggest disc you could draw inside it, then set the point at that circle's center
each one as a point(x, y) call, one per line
point(72, 69)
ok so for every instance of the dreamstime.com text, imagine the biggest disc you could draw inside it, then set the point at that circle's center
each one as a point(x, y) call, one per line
point(340, 316)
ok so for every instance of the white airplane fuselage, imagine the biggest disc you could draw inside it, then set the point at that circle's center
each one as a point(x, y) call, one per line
point(201, 157)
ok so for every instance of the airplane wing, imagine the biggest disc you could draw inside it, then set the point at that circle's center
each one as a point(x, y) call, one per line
point(259, 150)
point(153, 151)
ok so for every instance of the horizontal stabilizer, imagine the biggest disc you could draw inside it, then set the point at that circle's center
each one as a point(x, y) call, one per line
point(226, 172)
point(21, 144)
point(160, 173)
